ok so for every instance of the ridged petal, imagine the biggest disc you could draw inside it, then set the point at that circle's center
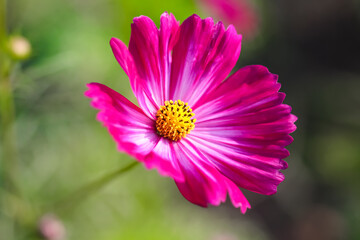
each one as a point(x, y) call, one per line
point(247, 170)
point(144, 47)
point(147, 62)
point(236, 196)
point(133, 131)
point(243, 129)
point(250, 89)
point(163, 158)
point(202, 58)
point(142, 93)
point(203, 183)
point(168, 36)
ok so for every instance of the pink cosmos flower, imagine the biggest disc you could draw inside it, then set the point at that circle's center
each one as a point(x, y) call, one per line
point(177, 73)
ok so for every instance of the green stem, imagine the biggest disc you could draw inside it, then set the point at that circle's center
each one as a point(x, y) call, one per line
point(3, 30)
point(7, 110)
point(72, 200)
point(7, 113)
point(3, 37)
point(8, 161)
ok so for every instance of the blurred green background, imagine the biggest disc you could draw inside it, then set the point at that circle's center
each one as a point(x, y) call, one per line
point(312, 45)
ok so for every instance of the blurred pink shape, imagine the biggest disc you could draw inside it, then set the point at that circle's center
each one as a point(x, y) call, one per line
point(240, 13)
point(51, 228)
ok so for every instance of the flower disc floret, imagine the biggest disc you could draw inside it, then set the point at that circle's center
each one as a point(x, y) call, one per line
point(173, 120)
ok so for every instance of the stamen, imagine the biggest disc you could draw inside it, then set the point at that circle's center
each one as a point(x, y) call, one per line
point(173, 120)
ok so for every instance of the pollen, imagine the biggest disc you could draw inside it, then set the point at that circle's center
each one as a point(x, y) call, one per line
point(174, 120)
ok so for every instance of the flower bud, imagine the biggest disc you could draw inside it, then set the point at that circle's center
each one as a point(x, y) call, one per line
point(19, 47)
point(51, 228)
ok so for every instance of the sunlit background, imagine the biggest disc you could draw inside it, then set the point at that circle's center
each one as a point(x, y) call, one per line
point(312, 45)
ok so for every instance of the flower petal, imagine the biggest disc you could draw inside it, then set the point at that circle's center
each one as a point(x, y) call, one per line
point(126, 61)
point(168, 36)
point(151, 49)
point(133, 131)
point(243, 127)
point(202, 58)
point(251, 171)
point(203, 183)
point(147, 62)
point(144, 47)
point(237, 197)
point(250, 89)
point(164, 160)
point(247, 106)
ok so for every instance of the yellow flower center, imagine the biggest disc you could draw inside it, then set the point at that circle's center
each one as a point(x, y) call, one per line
point(173, 120)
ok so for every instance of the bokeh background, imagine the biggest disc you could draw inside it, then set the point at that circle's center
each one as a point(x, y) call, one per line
point(314, 46)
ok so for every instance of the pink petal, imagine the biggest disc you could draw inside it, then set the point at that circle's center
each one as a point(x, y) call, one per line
point(250, 89)
point(247, 104)
point(130, 127)
point(237, 197)
point(203, 183)
point(168, 36)
point(163, 158)
point(142, 93)
point(202, 58)
point(133, 131)
point(151, 49)
point(246, 169)
point(147, 62)
point(233, 128)
point(243, 129)
point(144, 47)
